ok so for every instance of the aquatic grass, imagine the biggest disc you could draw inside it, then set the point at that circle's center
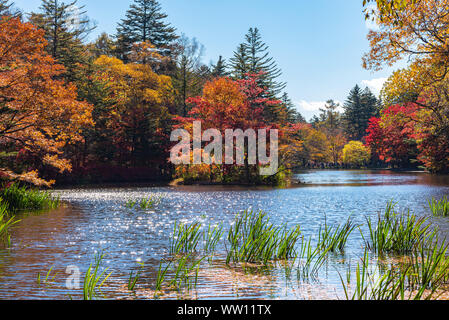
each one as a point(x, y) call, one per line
point(185, 275)
point(179, 275)
point(211, 237)
point(94, 278)
point(161, 274)
point(48, 279)
point(439, 208)
point(132, 280)
point(6, 223)
point(287, 242)
point(185, 238)
point(21, 199)
point(397, 233)
point(379, 284)
point(334, 238)
point(130, 204)
point(144, 203)
point(311, 259)
point(148, 203)
point(253, 239)
point(419, 277)
point(429, 267)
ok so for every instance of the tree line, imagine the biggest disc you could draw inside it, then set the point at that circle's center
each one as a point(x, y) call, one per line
point(102, 111)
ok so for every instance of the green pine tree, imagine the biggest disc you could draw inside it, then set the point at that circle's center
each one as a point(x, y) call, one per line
point(144, 22)
point(360, 106)
point(103, 45)
point(289, 109)
point(239, 62)
point(253, 56)
point(5, 7)
point(66, 27)
point(219, 69)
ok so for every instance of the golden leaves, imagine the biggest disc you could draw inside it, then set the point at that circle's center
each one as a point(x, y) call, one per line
point(43, 113)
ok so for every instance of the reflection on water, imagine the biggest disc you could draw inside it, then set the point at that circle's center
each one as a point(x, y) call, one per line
point(96, 219)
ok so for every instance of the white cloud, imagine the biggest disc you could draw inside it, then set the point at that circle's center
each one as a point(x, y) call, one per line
point(375, 85)
point(314, 106)
point(311, 105)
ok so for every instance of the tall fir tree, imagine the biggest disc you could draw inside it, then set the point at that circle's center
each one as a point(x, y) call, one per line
point(103, 45)
point(65, 26)
point(239, 62)
point(190, 74)
point(360, 106)
point(144, 22)
point(5, 7)
point(219, 69)
point(253, 56)
point(292, 115)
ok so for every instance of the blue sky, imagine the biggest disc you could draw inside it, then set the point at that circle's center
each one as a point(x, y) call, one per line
point(318, 44)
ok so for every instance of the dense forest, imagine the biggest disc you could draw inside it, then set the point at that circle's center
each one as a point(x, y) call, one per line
point(74, 111)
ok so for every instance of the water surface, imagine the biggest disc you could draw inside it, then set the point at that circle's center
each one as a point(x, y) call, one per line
point(95, 219)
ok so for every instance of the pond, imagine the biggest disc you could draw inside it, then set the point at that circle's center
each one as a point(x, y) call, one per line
point(96, 219)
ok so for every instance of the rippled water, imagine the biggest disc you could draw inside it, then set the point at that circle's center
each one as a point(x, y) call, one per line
point(96, 219)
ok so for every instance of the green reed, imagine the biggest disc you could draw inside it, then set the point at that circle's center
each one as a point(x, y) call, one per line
point(211, 238)
point(397, 233)
point(94, 278)
point(180, 274)
point(185, 238)
point(144, 203)
point(22, 199)
point(420, 276)
point(253, 239)
point(311, 259)
point(133, 278)
point(375, 283)
point(161, 274)
point(429, 267)
point(149, 203)
point(5, 224)
point(48, 278)
point(439, 208)
point(131, 203)
point(334, 238)
point(185, 275)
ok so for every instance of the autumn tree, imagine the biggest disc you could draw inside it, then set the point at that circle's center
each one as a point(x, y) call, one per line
point(139, 117)
point(144, 22)
point(330, 121)
point(230, 104)
point(39, 114)
point(391, 137)
point(355, 154)
point(104, 45)
point(405, 33)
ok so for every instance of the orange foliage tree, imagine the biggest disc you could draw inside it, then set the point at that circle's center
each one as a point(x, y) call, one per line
point(231, 104)
point(140, 113)
point(39, 112)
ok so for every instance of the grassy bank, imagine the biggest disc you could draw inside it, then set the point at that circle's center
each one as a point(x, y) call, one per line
point(15, 199)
